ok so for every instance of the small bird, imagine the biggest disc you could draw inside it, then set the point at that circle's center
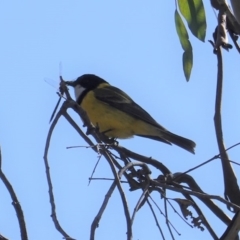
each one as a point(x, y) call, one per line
point(116, 115)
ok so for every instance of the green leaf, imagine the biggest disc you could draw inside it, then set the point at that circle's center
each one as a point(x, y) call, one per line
point(194, 13)
point(186, 45)
point(187, 63)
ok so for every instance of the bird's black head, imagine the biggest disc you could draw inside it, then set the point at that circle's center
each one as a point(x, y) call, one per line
point(84, 84)
point(87, 81)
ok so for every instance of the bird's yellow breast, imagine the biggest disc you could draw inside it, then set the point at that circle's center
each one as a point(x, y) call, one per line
point(113, 122)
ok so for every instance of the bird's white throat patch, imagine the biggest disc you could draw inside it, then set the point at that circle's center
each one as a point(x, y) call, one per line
point(78, 90)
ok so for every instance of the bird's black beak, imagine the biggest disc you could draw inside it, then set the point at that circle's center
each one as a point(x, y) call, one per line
point(70, 83)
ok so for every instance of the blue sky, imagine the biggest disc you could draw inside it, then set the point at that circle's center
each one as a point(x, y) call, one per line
point(134, 46)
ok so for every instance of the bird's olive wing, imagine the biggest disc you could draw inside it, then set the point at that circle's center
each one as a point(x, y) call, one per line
point(121, 101)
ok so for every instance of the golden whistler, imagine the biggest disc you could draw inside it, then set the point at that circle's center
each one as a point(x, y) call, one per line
point(117, 116)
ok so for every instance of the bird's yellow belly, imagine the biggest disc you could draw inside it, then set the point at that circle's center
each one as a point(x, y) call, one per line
point(112, 122)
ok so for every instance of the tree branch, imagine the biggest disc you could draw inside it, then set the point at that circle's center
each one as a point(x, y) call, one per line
point(15, 203)
point(231, 191)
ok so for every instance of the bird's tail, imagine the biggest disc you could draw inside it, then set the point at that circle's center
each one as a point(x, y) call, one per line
point(182, 142)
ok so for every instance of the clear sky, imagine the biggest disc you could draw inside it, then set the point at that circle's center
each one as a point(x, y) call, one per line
point(134, 46)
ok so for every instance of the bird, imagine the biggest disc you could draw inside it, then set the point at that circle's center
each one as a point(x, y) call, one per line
point(117, 116)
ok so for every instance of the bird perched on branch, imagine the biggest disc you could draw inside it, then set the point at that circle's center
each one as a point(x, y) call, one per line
point(116, 115)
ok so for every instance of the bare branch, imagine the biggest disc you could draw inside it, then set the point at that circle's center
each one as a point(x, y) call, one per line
point(187, 179)
point(155, 217)
point(15, 203)
point(167, 219)
point(233, 228)
point(2, 237)
point(231, 192)
point(49, 181)
point(96, 220)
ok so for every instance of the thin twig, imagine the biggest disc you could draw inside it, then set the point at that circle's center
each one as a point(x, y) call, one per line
point(122, 194)
point(187, 179)
point(15, 202)
point(155, 217)
point(159, 209)
point(94, 169)
point(97, 218)
point(136, 208)
point(167, 220)
point(209, 160)
point(175, 210)
point(234, 162)
point(198, 166)
point(49, 181)
point(199, 212)
point(107, 179)
point(234, 145)
point(138, 157)
point(231, 191)
point(197, 194)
